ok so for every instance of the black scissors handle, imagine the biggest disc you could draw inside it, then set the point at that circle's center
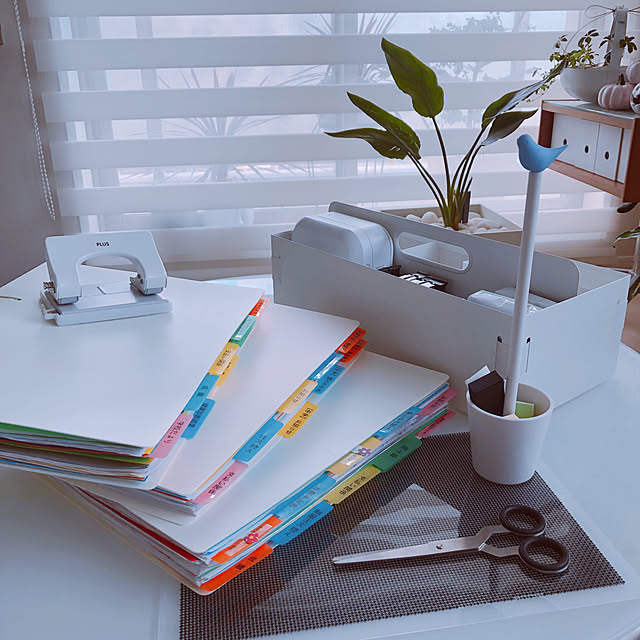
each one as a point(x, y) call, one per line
point(511, 519)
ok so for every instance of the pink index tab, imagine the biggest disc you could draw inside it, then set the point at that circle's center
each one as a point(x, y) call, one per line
point(439, 402)
point(172, 436)
point(435, 424)
point(226, 479)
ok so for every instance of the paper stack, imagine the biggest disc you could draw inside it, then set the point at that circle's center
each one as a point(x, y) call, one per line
point(367, 423)
point(113, 401)
point(281, 427)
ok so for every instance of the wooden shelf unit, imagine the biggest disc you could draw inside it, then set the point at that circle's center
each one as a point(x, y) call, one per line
point(604, 146)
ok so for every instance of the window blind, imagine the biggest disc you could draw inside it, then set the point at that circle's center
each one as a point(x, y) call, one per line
point(210, 115)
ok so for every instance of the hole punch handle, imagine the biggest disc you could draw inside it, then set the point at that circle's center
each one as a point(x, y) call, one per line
point(542, 542)
point(509, 517)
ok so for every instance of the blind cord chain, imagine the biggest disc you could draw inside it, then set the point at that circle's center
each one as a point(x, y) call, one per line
point(48, 195)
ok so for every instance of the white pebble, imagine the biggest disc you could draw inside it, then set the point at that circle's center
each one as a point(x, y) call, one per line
point(412, 217)
point(473, 214)
point(429, 217)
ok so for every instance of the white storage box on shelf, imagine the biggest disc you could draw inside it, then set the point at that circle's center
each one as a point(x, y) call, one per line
point(571, 346)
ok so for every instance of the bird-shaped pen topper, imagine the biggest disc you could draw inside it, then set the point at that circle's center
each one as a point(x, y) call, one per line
point(535, 159)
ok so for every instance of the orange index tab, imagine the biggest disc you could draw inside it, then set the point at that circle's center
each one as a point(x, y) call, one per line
point(346, 488)
point(293, 426)
point(244, 543)
point(352, 353)
point(224, 359)
point(298, 397)
point(351, 341)
point(227, 371)
point(216, 582)
point(259, 308)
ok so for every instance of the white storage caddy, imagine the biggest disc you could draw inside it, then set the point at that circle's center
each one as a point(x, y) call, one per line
point(572, 345)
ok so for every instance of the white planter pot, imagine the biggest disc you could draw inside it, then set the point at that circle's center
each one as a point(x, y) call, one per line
point(585, 84)
point(511, 234)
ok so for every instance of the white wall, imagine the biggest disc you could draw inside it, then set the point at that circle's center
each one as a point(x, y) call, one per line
point(24, 220)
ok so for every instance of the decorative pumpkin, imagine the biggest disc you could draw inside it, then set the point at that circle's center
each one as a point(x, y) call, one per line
point(635, 98)
point(632, 74)
point(616, 96)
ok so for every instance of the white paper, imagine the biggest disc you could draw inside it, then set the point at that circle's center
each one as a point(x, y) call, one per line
point(373, 392)
point(124, 381)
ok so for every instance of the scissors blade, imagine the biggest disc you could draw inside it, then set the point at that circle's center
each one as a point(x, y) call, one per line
point(438, 547)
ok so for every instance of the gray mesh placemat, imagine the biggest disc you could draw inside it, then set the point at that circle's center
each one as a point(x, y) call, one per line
point(433, 494)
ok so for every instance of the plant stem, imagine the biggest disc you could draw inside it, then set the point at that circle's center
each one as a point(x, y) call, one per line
point(444, 154)
point(431, 183)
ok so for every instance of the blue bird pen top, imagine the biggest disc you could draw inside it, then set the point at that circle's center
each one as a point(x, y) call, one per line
point(534, 157)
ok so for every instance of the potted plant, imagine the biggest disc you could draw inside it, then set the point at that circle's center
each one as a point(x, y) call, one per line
point(398, 140)
point(587, 69)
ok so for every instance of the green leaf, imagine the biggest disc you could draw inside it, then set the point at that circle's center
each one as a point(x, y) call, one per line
point(382, 141)
point(634, 233)
point(388, 121)
point(414, 78)
point(505, 124)
point(510, 100)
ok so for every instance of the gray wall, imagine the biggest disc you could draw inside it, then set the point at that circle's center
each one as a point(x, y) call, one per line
point(24, 220)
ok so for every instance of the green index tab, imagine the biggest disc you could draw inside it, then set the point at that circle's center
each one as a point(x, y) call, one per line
point(397, 452)
point(243, 331)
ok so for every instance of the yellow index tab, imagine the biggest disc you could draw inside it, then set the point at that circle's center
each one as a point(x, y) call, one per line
point(370, 444)
point(227, 371)
point(293, 426)
point(338, 468)
point(298, 397)
point(224, 359)
point(345, 489)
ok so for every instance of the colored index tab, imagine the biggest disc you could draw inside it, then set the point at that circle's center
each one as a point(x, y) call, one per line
point(201, 393)
point(435, 424)
point(243, 331)
point(298, 397)
point(223, 360)
point(329, 378)
point(258, 554)
point(396, 422)
point(301, 524)
point(258, 440)
point(294, 425)
point(352, 353)
point(338, 468)
point(228, 370)
point(244, 543)
point(351, 341)
point(256, 312)
point(397, 452)
point(301, 500)
point(352, 484)
point(439, 402)
point(172, 436)
point(235, 469)
point(326, 366)
point(198, 418)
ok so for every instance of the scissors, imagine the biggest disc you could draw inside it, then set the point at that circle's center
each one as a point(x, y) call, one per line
point(511, 519)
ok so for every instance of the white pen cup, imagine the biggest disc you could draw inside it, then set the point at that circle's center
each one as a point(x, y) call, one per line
point(505, 449)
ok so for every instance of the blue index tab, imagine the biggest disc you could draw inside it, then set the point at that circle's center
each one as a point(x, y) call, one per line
point(396, 422)
point(329, 378)
point(243, 331)
point(201, 393)
point(326, 366)
point(301, 500)
point(258, 440)
point(301, 524)
point(198, 418)
point(423, 403)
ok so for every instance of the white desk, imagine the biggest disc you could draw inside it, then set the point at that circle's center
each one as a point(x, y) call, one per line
point(592, 448)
